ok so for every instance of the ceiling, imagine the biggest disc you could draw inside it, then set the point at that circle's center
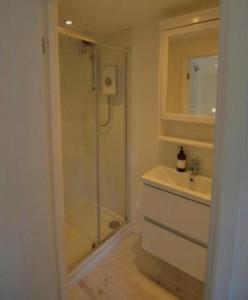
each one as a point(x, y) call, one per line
point(103, 17)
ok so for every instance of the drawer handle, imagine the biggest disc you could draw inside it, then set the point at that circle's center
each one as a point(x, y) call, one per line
point(178, 233)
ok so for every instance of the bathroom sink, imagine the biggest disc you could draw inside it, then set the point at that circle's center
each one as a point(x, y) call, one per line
point(197, 188)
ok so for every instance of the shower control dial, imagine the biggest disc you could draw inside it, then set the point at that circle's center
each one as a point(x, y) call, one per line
point(109, 81)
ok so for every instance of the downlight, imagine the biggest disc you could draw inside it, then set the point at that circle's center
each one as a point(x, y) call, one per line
point(68, 22)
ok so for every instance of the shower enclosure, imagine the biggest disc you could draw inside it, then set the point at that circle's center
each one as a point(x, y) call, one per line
point(93, 80)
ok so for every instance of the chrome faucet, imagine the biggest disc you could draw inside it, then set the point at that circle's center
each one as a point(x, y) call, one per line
point(194, 167)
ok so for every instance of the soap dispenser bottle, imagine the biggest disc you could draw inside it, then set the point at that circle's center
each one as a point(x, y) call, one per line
point(181, 160)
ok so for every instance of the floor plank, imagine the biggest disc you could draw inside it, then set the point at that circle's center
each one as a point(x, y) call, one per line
point(117, 277)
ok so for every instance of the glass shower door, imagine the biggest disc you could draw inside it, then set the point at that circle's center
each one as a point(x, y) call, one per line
point(94, 144)
point(79, 131)
point(112, 65)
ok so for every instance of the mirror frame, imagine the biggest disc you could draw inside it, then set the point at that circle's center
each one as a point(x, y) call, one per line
point(208, 19)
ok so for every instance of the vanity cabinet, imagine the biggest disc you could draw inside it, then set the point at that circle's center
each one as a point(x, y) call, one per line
point(175, 229)
point(181, 214)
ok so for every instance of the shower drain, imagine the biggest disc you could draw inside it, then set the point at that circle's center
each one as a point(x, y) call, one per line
point(114, 224)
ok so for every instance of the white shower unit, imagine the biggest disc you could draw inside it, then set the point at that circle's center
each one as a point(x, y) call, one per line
point(93, 80)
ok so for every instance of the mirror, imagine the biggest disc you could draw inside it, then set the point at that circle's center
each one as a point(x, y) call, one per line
point(200, 98)
point(191, 58)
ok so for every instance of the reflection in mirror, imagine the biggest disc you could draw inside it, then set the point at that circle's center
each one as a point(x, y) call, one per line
point(192, 72)
point(202, 87)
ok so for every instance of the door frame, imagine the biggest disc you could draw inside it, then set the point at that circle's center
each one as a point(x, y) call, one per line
point(223, 274)
point(56, 140)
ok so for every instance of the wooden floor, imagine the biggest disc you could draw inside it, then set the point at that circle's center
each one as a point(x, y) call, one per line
point(118, 278)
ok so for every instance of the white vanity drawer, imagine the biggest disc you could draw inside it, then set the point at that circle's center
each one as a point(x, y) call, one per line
point(177, 251)
point(178, 213)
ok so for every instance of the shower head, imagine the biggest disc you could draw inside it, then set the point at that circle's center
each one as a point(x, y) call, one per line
point(84, 46)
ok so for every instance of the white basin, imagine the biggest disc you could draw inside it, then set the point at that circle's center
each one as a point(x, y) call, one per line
point(197, 187)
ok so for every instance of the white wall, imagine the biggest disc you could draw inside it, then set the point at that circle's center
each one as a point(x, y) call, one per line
point(27, 249)
point(143, 110)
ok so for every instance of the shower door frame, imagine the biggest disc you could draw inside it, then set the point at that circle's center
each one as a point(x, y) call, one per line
point(95, 83)
point(57, 157)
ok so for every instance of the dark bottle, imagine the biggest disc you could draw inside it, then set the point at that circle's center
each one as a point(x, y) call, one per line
point(181, 160)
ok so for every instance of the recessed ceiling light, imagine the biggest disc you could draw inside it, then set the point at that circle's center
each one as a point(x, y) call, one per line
point(216, 65)
point(68, 22)
point(213, 110)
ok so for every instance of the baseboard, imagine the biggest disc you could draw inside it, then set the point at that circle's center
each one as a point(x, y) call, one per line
point(92, 260)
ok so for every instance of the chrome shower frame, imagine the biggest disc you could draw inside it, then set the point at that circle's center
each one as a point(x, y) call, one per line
point(91, 42)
